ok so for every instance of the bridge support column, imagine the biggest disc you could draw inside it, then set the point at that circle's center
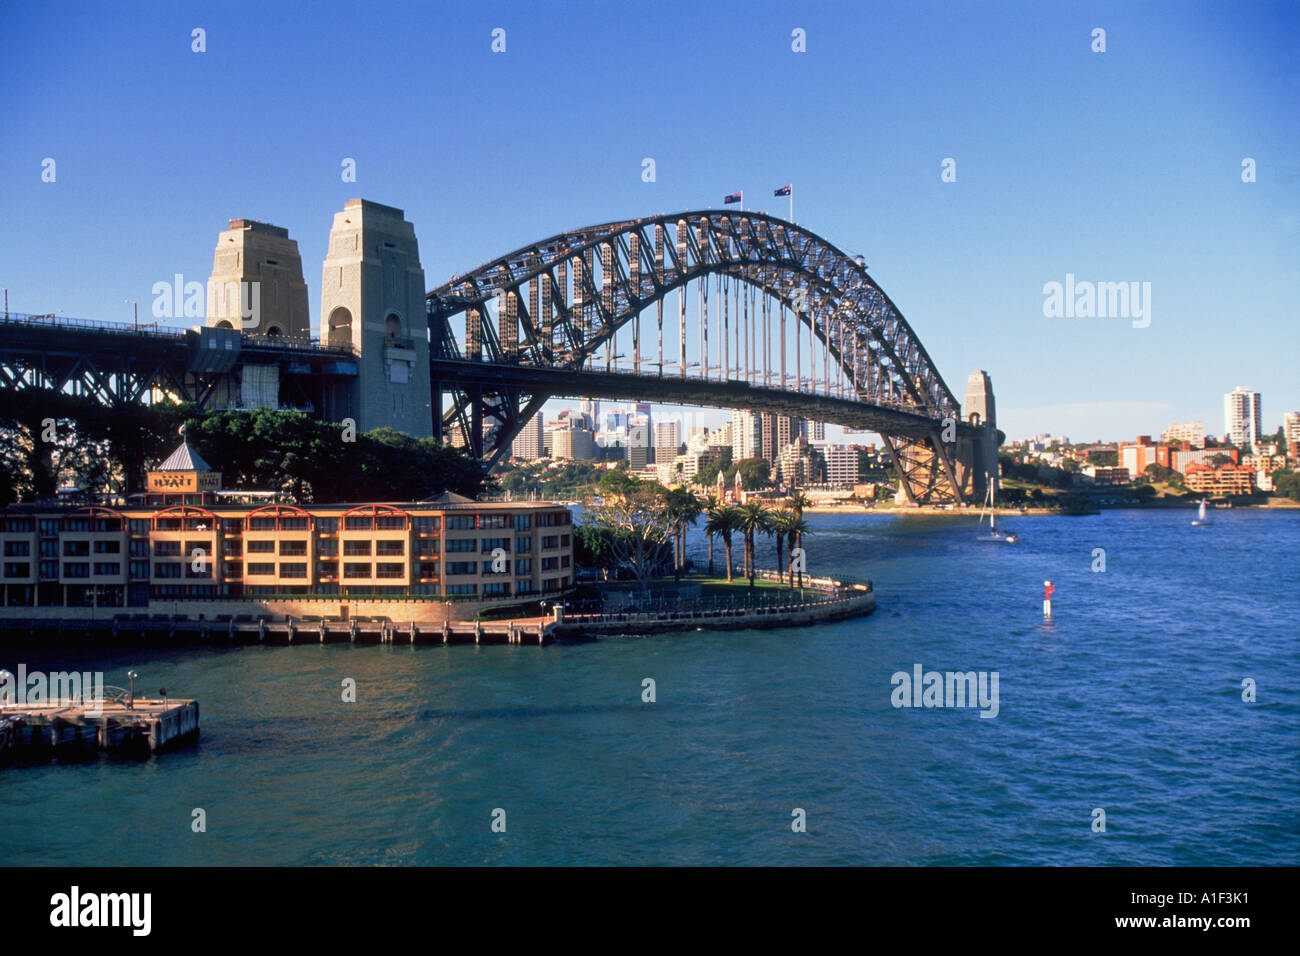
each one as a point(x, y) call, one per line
point(925, 469)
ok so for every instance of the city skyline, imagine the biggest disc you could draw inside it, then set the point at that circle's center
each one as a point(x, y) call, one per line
point(976, 298)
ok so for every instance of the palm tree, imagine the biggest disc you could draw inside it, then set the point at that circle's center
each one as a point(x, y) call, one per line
point(797, 529)
point(724, 522)
point(781, 522)
point(752, 520)
point(797, 502)
point(711, 508)
point(683, 510)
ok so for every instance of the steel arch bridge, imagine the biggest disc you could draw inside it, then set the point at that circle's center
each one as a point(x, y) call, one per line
point(553, 318)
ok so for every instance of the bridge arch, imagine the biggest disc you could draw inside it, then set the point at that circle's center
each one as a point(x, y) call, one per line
point(539, 318)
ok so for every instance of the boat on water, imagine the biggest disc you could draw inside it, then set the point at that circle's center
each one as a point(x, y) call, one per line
point(1201, 517)
point(994, 533)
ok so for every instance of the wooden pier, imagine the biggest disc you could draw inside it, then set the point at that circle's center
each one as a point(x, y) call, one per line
point(160, 629)
point(113, 725)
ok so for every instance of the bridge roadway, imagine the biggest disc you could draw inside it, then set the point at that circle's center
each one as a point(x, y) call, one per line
point(686, 390)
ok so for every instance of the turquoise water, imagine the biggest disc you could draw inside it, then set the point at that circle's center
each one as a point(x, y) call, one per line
point(1128, 701)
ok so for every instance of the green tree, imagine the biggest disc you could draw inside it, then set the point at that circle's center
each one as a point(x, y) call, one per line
point(782, 523)
point(752, 520)
point(724, 522)
point(796, 529)
point(683, 511)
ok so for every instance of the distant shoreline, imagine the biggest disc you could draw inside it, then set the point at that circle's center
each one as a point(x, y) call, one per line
point(1278, 504)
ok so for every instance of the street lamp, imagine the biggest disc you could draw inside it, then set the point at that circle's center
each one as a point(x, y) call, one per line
point(131, 676)
point(135, 312)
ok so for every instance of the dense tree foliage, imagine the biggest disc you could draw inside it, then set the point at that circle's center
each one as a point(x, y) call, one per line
point(51, 440)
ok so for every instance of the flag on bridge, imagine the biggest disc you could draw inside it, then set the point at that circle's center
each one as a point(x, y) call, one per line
point(734, 197)
point(783, 191)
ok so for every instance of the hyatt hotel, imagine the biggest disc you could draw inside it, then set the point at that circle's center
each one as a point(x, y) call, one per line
point(180, 541)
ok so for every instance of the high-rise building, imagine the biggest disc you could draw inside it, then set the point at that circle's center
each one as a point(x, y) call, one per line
point(800, 464)
point(638, 441)
point(1191, 432)
point(591, 408)
point(814, 431)
point(668, 439)
point(1241, 417)
point(573, 444)
point(841, 465)
point(777, 431)
point(528, 443)
point(1291, 427)
point(746, 435)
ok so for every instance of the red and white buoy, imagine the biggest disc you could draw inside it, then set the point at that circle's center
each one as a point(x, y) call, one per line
point(1048, 590)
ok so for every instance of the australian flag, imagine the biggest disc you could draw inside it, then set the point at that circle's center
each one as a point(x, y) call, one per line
point(734, 197)
point(783, 191)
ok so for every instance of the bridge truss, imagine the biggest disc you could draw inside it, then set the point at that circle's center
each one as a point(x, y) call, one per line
point(782, 321)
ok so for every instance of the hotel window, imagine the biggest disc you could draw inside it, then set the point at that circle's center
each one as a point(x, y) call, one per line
point(107, 567)
point(327, 548)
point(390, 522)
point(139, 569)
point(390, 547)
point(261, 547)
point(426, 548)
point(76, 549)
point(263, 568)
point(192, 546)
point(18, 549)
point(167, 570)
point(18, 525)
point(462, 589)
point(293, 548)
point(17, 569)
point(356, 569)
point(564, 561)
point(523, 545)
point(389, 570)
point(523, 522)
point(233, 569)
point(261, 523)
point(232, 526)
point(138, 548)
point(356, 548)
point(564, 541)
point(232, 549)
point(461, 567)
point(523, 566)
point(166, 549)
point(460, 522)
point(294, 570)
point(49, 569)
point(50, 548)
point(427, 524)
point(49, 526)
point(428, 569)
point(461, 545)
point(550, 541)
point(548, 564)
point(139, 526)
point(499, 587)
point(108, 547)
point(491, 544)
point(327, 525)
point(494, 521)
point(293, 523)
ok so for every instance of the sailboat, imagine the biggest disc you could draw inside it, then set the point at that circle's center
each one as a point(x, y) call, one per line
point(993, 534)
point(1201, 518)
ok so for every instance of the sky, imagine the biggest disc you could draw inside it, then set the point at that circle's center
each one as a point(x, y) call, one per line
point(1117, 166)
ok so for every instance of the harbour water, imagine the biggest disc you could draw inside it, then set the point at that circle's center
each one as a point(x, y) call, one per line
point(1129, 700)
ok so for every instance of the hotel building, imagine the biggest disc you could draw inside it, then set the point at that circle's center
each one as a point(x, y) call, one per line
point(180, 541)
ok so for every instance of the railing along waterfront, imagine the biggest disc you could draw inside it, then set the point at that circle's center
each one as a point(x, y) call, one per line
point(825, 593)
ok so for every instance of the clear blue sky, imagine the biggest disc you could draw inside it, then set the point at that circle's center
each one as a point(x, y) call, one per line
point(1115, 166)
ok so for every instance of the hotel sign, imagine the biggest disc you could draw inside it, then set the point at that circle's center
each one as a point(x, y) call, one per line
point(184, 481)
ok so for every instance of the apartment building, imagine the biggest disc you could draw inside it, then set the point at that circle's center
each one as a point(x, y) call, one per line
point(177, 542)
